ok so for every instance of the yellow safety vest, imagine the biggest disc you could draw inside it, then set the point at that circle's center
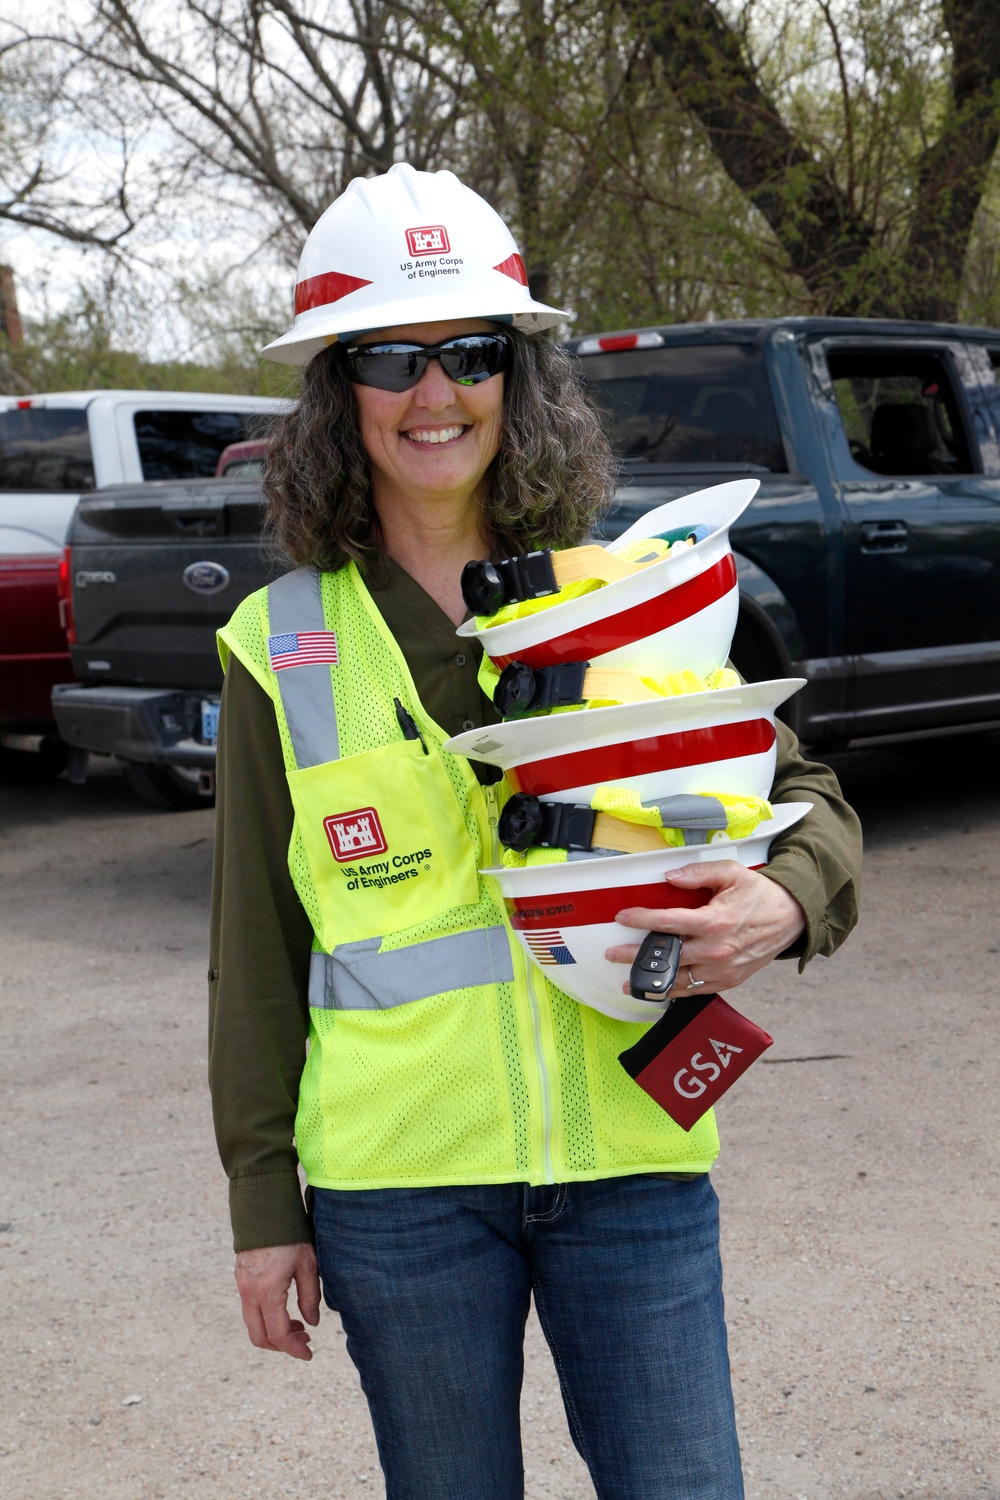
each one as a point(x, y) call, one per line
point(438, 1053)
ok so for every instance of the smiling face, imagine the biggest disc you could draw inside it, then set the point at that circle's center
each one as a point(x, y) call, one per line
point(434, 442)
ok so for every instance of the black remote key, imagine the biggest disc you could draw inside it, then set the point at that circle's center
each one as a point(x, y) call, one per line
point(655, 968)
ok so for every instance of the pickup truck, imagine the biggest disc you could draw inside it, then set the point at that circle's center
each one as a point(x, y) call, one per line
point(54, 449)
point(869, 560)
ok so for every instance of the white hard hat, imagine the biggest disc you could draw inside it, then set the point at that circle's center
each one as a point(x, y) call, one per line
point(564, 914)
point(716, 741)
point(408, 247)
point(677, 613)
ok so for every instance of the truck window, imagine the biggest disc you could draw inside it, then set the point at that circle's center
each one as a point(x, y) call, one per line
point(187, 444)
point(900, 412)
point(45, 448)
point(693, 404)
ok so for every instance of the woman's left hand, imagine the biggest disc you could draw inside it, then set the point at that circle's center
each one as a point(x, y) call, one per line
point(748, 921)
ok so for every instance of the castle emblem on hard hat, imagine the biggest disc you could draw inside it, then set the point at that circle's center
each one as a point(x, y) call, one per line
point(354, 835)
point(432, 239)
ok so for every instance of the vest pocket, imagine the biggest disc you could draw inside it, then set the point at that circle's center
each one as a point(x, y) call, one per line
point(385, 841)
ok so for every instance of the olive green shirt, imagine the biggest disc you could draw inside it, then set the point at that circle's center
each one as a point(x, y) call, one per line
point(261, 937)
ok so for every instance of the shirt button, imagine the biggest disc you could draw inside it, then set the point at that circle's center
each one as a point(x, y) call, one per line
point(461, 659)
point(469, 724)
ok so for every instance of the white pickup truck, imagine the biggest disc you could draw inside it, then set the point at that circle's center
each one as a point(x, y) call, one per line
point(53, 449)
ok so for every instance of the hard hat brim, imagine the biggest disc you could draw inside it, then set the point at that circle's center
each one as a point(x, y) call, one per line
point(720, 505)
point(715, 740)
point(317, 330)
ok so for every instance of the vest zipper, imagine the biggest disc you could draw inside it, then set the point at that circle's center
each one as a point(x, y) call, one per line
point(493, 819)
point(543, 1072)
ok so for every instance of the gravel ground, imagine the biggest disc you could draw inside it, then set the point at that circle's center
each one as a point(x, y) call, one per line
point(858, 1179)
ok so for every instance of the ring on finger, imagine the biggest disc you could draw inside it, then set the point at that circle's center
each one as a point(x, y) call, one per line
point(694, 984)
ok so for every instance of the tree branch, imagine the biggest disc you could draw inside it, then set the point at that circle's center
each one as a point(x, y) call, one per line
point(710, 75)
point(953, 171)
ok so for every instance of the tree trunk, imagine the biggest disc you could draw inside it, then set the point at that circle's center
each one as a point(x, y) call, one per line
point(829, 245)
point(953, 170)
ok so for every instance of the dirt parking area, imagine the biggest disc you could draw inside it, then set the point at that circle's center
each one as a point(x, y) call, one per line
point(859, 1180)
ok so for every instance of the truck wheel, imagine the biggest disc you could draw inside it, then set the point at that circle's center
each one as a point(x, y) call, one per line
point(752, 656)
point(167, 788)
point(33, 767)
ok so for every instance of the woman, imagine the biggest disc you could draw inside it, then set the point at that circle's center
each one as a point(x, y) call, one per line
point(467, 1133)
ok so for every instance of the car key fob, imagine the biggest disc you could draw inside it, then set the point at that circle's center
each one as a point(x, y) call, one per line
point(655, 968)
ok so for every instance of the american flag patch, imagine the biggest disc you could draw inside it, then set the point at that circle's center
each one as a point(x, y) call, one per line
point(548, 947)
point(303, 648)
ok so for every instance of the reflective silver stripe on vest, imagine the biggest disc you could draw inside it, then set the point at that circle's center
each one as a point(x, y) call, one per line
point(294, 603)
point(358, 976)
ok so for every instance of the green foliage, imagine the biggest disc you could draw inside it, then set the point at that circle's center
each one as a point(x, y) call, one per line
point(76, 349)
point(658, 160)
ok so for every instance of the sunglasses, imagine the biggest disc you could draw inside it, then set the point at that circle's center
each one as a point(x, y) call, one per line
point(468, 359)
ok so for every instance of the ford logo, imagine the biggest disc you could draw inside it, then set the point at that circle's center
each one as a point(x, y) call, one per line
point(206, 577)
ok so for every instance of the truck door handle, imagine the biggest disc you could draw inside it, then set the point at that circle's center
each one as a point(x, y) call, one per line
point(884, 536)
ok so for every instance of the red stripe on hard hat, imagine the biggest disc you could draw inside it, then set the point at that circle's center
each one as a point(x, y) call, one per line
point(319, 291)
point(662, 752)
point(513, 267)
point(629, 625)
point(582, 908)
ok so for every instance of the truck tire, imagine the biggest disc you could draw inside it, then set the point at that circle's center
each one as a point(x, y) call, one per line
point(167, 788)
point(33, 767)
point(752, 654)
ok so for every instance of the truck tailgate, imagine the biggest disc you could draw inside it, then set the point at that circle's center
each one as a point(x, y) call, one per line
point(156, 570)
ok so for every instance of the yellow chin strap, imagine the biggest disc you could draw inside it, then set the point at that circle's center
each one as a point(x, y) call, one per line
point(605, 687)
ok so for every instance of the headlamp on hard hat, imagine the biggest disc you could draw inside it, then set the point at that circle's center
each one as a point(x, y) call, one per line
point(526, 820)
point(522, 690)
point(487, 586)
point(526, 690)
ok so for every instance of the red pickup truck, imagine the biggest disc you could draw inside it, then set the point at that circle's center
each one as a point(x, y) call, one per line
point(53, 449)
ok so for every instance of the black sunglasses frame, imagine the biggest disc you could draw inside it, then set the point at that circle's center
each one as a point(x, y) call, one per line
point(397, 365)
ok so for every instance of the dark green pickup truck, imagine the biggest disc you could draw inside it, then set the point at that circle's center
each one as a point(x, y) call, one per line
point(869, 561)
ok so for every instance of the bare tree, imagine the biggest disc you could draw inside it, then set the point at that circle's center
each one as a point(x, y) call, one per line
point(656, 158)
point(855, 249)
point(40, 188)
point(269, 102)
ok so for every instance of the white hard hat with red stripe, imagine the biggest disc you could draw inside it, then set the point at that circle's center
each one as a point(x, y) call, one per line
point(720, 741)
point(564, 914)
point(675, 613)
point(407, 247)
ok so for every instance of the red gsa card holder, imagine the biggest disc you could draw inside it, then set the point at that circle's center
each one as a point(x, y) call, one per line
point(693, 1055)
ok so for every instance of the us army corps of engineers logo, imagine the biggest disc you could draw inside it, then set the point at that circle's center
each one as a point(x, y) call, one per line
point(355, 835)
point(358, 835)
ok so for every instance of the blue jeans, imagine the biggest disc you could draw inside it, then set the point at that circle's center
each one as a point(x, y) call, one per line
point(433, 1287)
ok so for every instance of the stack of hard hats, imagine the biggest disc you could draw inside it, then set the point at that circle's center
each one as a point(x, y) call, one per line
point(628, 748)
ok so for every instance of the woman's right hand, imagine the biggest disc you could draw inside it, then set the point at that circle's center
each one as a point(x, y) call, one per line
point(264, 1278)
